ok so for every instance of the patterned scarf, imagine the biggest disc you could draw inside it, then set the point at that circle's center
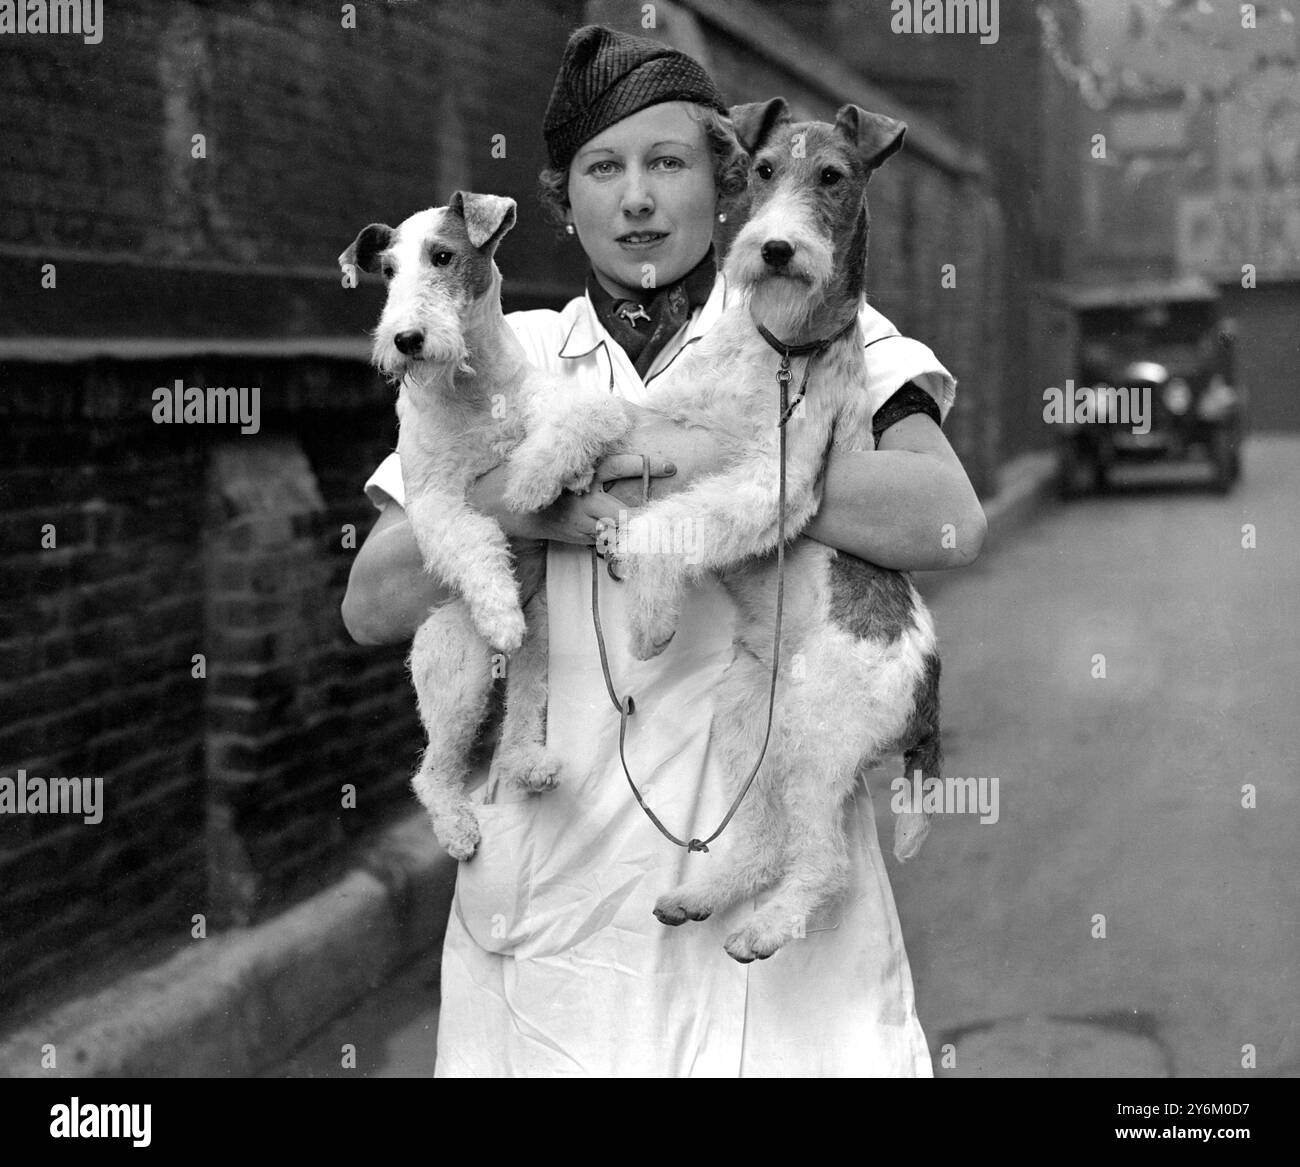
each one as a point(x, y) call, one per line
point(643, 329)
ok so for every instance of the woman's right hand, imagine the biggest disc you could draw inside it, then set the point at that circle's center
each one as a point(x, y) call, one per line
point(571, 518)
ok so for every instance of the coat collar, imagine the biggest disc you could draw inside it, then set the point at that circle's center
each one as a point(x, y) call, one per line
point(584, 334)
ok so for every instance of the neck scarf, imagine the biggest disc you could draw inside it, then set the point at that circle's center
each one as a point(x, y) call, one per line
point(643, 327)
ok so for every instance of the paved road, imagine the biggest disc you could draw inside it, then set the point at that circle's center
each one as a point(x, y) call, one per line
point(1119, 797)
point(1122, 796)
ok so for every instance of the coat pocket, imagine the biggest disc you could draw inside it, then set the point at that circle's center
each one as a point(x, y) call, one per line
point(494, 889)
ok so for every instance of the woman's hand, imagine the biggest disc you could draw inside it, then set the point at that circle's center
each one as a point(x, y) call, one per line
point(389, 593)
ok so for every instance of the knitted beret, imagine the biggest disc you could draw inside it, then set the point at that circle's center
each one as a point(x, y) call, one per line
point(606, 76)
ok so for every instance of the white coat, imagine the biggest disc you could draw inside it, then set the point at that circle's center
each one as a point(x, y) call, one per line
point(552, 963)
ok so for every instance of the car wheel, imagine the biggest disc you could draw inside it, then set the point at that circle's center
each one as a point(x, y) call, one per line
point(1079, 472)
point(1226, 459)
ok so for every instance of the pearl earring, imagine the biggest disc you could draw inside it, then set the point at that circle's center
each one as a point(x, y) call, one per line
point(722, 216)
point(570, 229)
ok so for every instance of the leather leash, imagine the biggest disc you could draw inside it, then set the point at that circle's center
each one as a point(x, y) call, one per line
point(626, 707)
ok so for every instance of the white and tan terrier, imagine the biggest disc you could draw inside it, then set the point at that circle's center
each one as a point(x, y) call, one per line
point(860, 669)
point(468, 397)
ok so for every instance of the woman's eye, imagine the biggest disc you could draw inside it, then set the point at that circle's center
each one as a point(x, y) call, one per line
point(830, 176)
point(601, 169)
point(670, 163)
point(443, 258)
point(764, 170)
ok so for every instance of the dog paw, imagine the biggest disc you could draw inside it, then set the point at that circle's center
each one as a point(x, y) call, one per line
point(531, 494)
point(458, 832)
point(676, 908)
point(910, 831)
point(502, 625)
point(645, 647)
point(536, 772)
point(757, 940)
point(580, 483)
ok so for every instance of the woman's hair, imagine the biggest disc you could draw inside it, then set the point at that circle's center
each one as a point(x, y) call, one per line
point(730, 166)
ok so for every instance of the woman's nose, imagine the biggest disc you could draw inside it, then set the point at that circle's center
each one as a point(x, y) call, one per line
point(637, 197)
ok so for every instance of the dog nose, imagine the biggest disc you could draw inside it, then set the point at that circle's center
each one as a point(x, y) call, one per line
point(777, 252)
point(409, 343)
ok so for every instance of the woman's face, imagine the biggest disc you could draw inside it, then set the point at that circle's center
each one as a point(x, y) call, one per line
point(642, 193)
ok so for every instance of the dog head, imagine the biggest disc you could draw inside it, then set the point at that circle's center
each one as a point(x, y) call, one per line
point(805, 241)
point(441, 278)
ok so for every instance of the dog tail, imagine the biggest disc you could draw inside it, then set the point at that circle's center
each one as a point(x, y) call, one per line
point(924, 754)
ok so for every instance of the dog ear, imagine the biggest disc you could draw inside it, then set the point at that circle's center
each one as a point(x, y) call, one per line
point(487, 217)
point(365, 248)
point(755, 121)
point(875, 136)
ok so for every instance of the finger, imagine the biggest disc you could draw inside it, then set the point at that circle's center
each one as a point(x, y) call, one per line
point(599, 505)
point(629, 466)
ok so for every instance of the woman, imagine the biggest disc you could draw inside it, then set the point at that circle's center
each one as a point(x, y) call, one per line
point(553, 963)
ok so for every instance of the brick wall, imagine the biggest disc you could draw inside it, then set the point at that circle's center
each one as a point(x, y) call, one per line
point(222, 792)
point(310, 129)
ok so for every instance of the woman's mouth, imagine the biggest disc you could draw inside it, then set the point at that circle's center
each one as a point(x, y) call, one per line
point(641, 240)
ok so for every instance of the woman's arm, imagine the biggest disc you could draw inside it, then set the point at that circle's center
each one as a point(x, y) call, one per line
point(389, 593)
point(893, 506)
point(889, 506)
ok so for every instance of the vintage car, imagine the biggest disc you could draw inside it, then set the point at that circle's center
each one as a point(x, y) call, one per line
point(1154, 382)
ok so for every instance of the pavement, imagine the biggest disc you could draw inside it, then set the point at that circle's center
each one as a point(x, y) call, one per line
point(345, 983)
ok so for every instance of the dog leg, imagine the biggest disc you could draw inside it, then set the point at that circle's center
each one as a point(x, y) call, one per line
point(749, 855)
point(816, 852)
point(451, 668)
point(568, 434)
point(471, 553)
point(728, 517)
point(521, 755)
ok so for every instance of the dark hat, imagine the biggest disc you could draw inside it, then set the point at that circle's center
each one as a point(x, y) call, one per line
point(606, 76)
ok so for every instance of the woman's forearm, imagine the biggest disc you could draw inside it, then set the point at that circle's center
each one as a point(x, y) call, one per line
point(901, 509)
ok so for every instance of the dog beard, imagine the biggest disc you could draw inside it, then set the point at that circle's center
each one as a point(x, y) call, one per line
point(444, 347)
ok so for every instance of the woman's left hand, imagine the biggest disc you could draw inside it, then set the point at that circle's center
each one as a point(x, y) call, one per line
point(694, 452)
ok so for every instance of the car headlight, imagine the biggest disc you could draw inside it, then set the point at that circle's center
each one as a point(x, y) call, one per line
point(1177, 396)
point(1218, 400)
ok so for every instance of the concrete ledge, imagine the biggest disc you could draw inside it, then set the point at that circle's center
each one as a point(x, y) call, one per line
point(237, 1002)
point(1024, 484)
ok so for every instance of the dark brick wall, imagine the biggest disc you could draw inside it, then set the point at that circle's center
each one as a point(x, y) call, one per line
point(311, 131)
point(223, 793)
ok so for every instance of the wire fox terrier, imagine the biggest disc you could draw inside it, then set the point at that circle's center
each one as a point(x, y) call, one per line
point(468, 397)
point(863, 672)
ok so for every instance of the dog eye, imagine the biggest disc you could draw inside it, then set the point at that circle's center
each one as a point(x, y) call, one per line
point(388, 270)
point(443, 258)
point(764, 170)
point(830, 176)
